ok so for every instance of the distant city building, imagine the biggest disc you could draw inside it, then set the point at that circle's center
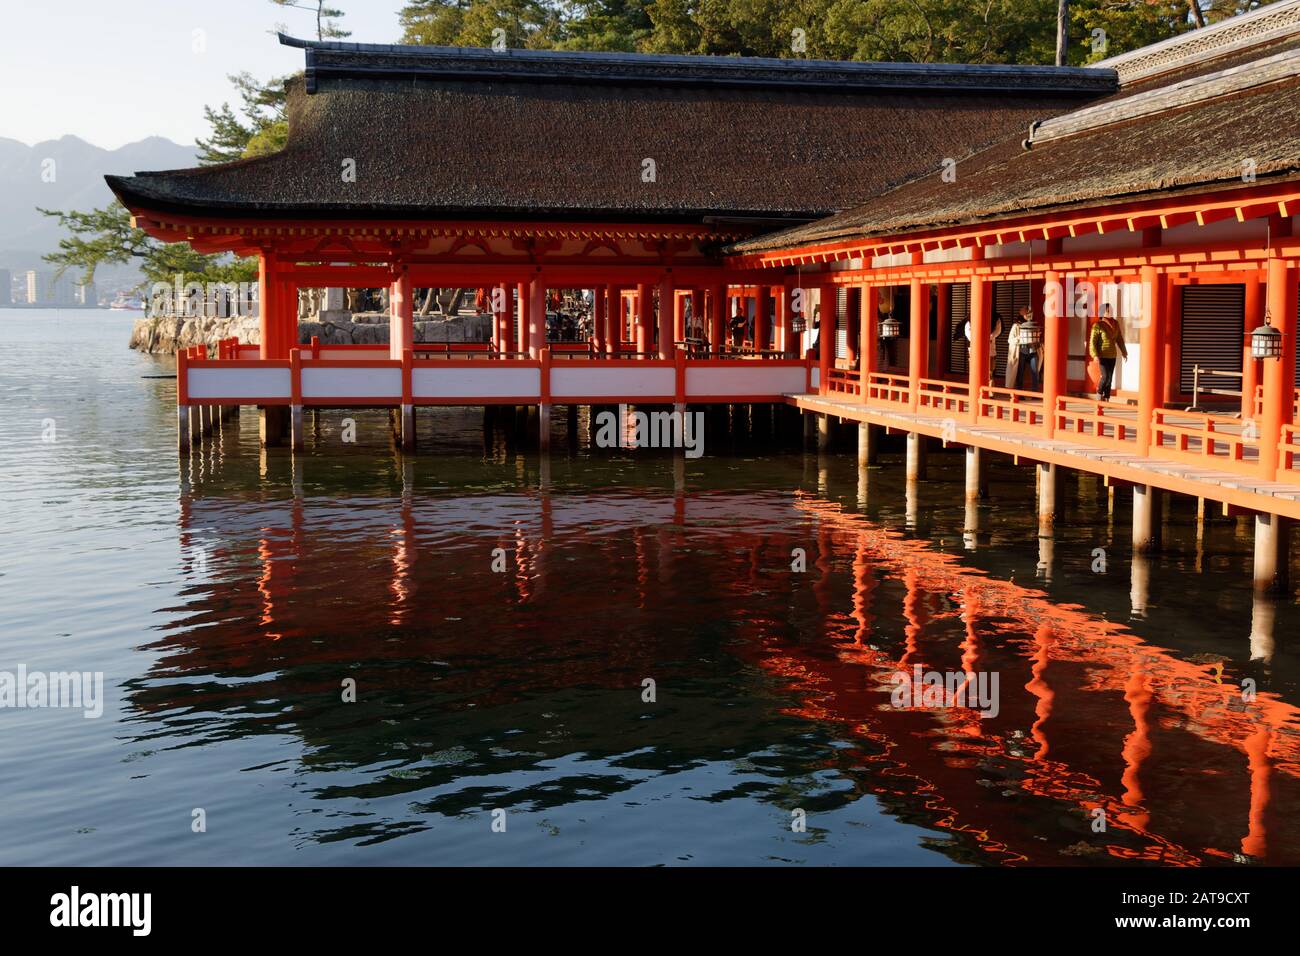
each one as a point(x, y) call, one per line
point(86, 294)
point(6, 287)
point(48, 288)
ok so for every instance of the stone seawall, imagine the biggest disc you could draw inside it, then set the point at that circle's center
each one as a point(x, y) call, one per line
point(167, 334)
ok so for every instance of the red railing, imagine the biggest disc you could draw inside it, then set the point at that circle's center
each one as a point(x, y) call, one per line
point(843, 381)
point(1100, 423)
point(1217, 441)
point(1012, 407)
point(886, 389)
point(1289, 453)
point(939, 397)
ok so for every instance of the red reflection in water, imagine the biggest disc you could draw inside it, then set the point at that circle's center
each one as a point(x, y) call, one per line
point(1091, 717)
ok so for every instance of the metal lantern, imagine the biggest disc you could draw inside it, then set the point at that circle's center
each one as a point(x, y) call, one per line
point(890, 328)
point(1031, 334)
point(1266, 341)
point(797, 323)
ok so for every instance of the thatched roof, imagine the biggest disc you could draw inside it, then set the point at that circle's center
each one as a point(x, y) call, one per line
point(1198, 134)
point(446, 133)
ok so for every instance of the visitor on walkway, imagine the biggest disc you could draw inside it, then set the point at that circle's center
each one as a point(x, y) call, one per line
point(1105, 344)
point(738, 325)
point(1027, 348)
point(1011, 374)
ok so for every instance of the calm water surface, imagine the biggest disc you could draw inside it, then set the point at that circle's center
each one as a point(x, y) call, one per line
point(226, 602)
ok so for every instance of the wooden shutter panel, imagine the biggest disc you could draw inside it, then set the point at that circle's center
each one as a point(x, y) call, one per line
point(1212, 321)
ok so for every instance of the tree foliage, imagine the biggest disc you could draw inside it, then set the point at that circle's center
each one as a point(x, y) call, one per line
point(107, 236)
point(922, 31)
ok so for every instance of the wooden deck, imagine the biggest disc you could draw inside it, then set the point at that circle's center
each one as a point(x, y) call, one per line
point(1164, 468)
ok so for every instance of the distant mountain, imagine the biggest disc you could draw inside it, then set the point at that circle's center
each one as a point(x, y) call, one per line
point(77, 182)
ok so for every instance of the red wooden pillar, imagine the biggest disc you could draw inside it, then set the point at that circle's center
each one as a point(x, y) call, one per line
point(536, 317)
point(598, 320)
point(852, 330)
point(1152, 359)
point(679, 317)
point(977, 371)
point(943, 323)
point(644, 318)
point(1056, 338)
point(1092, 310)
point(401, 314)
point(668, 306)
point(781, 319)
point(1250, 366)
point(918, 343)
point(762, 318)
point(267, 299)
point(867, 337)
point(1279, 373)
point(826, 337)
point(718, 300)
point(614, 321)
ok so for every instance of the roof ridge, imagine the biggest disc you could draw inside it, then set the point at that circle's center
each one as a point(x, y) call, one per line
point(341, 58)
point(1241, 32)
point(1280, 66)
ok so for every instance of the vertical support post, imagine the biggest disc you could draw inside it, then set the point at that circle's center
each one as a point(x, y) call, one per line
point(868, 437)
point(1150, 386)
point(978, 353)
point(614, 320)
point(408, 401)
point(544, 406)
point(1250, 366)
point(918, 343)
point(267, 298)
point(184, 436)
point(668, 305)
point(501, 321)
point(679, 317)
point(852, 328)
point(1146, 519)
point(826, 337)
point(781, 319)
point(867, 338)
point(1272, 554)
point(718, 318)
point(295, 399)
point(943, 326)
point(644, 319)
point(598, 323)
point(401, 321)
point(1050, 485)
point(976, 477)
point(762, 318)
point(915, 456)
point(1279, 373)
point(536, 317)
point(823, 432)
point(1056, 336)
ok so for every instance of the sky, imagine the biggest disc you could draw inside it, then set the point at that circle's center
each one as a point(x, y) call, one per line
point(116, 71)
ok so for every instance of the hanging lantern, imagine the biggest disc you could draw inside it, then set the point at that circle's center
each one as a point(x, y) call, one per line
point(890, 328)
point(1031, 334)
point(1266, 341)
point(797, 323)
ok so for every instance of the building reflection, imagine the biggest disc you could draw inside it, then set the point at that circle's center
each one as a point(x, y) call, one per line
point(463, 618)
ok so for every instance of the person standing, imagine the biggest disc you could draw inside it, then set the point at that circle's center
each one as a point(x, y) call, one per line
point(1106, 344)
point(1011, 378)
point(1028, 348)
